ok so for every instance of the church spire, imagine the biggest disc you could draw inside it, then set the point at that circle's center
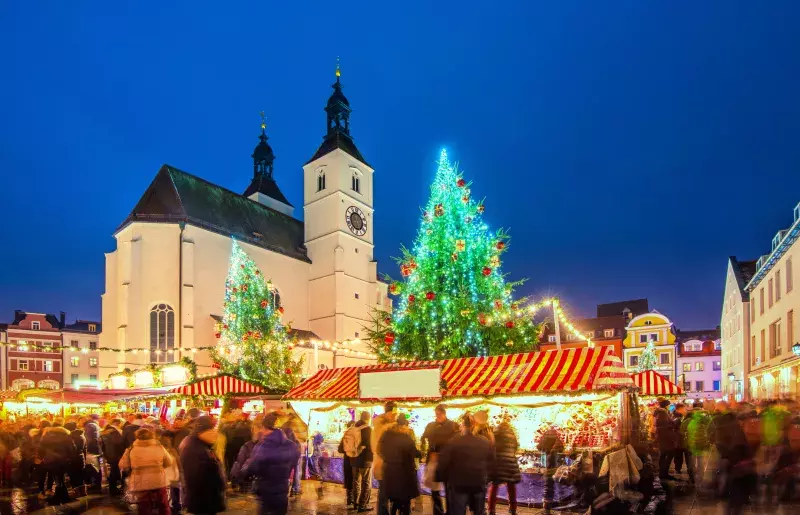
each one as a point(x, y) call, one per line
point(263, 157)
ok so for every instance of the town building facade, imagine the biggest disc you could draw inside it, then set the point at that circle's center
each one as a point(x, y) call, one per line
point(735, 330)
point(699, 365)
point(33, 356)
point(774, 304)
point(165, 281)
point(643, 329)
point(81, 357)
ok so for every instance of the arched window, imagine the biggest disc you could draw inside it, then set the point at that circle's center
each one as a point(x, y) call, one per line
point(321, 181)
point(49, 384)
point(275, 297)
point(356, 182)
point(162, 333)
point(22, 384)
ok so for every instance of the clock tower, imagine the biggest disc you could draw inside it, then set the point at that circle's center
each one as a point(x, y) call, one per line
point(338, 213)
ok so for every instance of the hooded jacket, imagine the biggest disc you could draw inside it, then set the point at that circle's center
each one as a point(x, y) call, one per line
point(147, 460)
point(113, 443)
point(272, 462)
point(203, 479)
point(397, 452)
point(57, 448)
point(380, 425)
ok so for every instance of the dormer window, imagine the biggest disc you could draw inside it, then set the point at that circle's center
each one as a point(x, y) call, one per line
point(608, 333)
point(36, 326)
point(321, 181)
point(93, 328)
point(648, 322)
point(551, 338)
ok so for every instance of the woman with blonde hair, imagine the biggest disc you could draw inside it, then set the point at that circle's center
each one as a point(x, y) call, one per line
point(148, 461)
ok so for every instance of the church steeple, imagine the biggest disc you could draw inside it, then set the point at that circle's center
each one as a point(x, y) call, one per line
point(263, 188)
point(338, 130)
point(263, 157)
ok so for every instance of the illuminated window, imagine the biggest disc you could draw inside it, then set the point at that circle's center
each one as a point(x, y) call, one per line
point(687, 367)
point(699, 366)
point(716, 385)
point(608, 333)
point(22, 364)
point(74, 343)
point(162, 333)
point(93, 362)
point(717, 366)
point(551, 338)
point(74, 361)
point(93, 328)
point(48, 366)
point(275, 297)
point(35, 326)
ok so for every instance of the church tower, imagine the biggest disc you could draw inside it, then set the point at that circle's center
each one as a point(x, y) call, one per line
point(263, 188)
point(343, 285)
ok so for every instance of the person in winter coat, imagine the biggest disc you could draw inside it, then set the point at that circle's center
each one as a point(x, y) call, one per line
point(435, 438)
point(694, 432)
point(129, 429)
point(78, 463)
point(174, 472)
point(380, 425)
point(58, 451)
point(681, 452)
point(666, 438)
point(185, 428)
point(237, 432)
point(506, 467)
point(362, 464)
point(398, 452)
point(203, 478)
point(300, 431)
point(91, 430)
point(272, 463)
point(347, 469)
point(465, 464)
point(148, 462)
point(113, 449)
point(237, 478)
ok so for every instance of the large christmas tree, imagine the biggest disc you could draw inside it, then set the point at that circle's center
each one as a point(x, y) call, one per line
point(253, 342)
point(648, 359)
point(454, 301)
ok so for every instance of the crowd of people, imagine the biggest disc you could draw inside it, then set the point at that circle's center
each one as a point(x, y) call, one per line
point(466, 460)
point(162, 467)
point(741, 452)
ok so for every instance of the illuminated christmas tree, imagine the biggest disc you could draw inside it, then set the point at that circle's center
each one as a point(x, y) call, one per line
point(647, 360)
point(454, 301)
point(253, 342)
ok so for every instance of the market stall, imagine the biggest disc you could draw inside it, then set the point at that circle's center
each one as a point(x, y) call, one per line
point(582, 394)
point(68, 401)
point(652, 384)
point(249, 397)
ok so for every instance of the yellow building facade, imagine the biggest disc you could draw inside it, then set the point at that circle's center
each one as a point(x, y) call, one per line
point(641, 330)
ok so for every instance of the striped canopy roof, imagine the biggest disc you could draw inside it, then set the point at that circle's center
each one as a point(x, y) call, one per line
point(571, 370)
point(217, 386)
point(653, 383)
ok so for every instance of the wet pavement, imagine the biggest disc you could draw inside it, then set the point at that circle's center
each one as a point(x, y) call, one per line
point(325, 499)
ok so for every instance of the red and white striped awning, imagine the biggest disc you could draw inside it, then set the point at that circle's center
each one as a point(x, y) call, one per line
point(218, 386)
point(569, 370)
point(653, 383)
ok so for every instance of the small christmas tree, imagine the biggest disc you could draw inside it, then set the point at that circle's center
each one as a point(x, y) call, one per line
point(648, 360)
point(253, 343)
point(454, 301)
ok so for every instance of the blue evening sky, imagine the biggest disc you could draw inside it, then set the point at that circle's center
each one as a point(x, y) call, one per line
point(630, 146)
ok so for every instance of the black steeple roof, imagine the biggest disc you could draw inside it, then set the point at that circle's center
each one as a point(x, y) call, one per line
point(263, 159)
point(338, 132)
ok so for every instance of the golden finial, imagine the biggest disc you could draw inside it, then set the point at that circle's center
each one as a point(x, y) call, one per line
point(338, 70)
point(263, 121)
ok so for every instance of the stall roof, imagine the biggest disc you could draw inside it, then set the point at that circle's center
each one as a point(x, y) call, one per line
point(571, 370)
point(92, 396)
point(653, 383)
point(218, 385)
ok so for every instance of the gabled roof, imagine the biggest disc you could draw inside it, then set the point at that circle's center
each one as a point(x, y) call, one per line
point(20, 315)
point(82, 326)
point(744, 272)
point(636, 307)
point(265, 184)
point(177, 196)
point(697, 334)
point(338, 140)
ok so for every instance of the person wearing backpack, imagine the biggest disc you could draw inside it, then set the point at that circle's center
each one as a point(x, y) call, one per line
point(694, 431)
point(358, 447)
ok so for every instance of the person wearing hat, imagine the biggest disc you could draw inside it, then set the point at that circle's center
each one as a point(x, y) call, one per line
point(203, 479)
point(272, 463)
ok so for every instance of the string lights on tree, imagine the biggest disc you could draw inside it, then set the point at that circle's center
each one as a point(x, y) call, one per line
point(254, 343)
point(454, 300)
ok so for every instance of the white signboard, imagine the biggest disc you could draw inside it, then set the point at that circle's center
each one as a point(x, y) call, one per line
point(400, 384)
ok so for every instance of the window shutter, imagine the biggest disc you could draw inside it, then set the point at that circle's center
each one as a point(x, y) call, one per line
point(56, 366)
point(13, 365)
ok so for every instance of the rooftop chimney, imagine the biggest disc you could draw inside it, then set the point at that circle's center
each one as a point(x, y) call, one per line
point(62, 320)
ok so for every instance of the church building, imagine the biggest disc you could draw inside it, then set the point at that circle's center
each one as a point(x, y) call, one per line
point(165, 281)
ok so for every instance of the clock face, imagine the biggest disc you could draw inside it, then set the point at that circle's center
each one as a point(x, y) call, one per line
point(356, 221)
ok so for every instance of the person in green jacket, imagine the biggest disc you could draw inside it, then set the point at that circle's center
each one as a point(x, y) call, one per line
point(694, 432)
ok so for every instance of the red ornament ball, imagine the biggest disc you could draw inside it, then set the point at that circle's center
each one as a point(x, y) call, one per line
point(235, 289)
point(500, 245)
point(263, 304)
point(482, 319)
point(288, 371)
point(389, 338)
point(510, 324)
point(461, 183)
point(394, 289)
point(218, 335)
point(280, 310)
point(487, 271)
point(411, 298)
point(387, 320)
point(430, 295)
point(241, 266)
